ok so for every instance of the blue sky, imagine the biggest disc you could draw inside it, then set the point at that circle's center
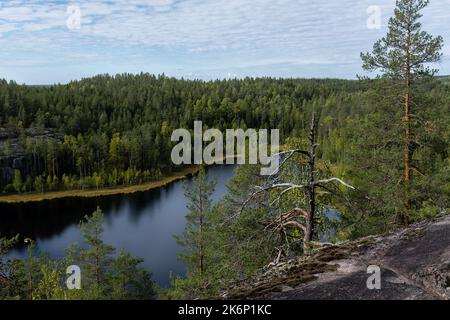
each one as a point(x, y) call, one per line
point(41, 43)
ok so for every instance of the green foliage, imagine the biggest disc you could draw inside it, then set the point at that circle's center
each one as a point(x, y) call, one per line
point(116, 130)
point(128, 280)
point(406, 48)
point(17, 181)
point(400, 135)
point(236, 246)
point(96, 258)
point(196, 238)
point(6, 266)
point(103, 276)
point(113, 130)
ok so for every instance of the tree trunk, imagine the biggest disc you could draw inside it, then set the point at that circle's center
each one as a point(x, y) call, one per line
point(408, 136)
point(407, 156)
point(310, 190)
point(309, 233)
point(201, 232)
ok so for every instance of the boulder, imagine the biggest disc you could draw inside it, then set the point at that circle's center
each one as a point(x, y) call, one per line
point(414, 263)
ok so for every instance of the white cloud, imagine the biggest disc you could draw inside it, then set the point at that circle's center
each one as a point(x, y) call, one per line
point(235, 32)
point(193, 24)
point(24, 63)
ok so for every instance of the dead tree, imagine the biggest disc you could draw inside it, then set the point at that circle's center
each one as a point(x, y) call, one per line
point(307, 216)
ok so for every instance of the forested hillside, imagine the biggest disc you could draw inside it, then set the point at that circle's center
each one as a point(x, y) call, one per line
point(107, 130)
point(359, 158)
point(116, 130)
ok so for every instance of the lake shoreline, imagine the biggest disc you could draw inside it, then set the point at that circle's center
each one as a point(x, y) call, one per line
point(92, 193)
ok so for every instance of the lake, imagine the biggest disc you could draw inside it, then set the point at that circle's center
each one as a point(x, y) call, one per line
point(143, 223)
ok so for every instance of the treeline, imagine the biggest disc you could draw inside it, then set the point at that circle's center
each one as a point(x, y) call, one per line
point(99, 162)
point(116, 130)
point(100, 272)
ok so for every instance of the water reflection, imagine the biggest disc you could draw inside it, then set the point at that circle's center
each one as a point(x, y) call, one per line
point(142, 223)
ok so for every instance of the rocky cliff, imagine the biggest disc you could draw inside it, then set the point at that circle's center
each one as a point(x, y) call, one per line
point(12, 153)
point(414, 264)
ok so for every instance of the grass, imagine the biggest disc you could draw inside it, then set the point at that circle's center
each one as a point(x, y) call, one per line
point(87, 193)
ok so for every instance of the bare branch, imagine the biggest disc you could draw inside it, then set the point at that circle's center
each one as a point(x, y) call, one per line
point(319, 182)
point(288, 186)
point(417, 170)
point(286, 216)
point(290, 154)
point(277, 199)
point(292, 222)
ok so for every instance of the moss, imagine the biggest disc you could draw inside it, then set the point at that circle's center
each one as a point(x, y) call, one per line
point(303, 272)
point(332, 255)
point(413, 234)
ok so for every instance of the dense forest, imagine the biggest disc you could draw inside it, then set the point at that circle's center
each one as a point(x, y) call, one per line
point(116, 130)
point(386, 140)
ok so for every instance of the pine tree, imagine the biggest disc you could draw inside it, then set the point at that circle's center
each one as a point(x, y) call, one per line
point(95, 260)
point(402, 57)
point(128, 281)
point(17, 181)
point(39, 184)
point(194, 236)
point(5, 266)
point(102, 275)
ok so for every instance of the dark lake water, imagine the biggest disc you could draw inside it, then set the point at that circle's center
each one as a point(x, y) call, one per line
point(143, 224)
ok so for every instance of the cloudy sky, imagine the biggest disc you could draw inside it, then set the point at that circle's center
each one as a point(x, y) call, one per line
point(53, 41)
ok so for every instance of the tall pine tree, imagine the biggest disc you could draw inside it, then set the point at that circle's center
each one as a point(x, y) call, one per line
point(194, 237)
point(402, 56)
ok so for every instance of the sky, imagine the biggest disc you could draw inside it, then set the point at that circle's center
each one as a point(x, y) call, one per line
point(56, 41)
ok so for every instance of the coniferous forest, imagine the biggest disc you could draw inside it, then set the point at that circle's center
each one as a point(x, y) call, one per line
point(377, 153)
point(113, 130)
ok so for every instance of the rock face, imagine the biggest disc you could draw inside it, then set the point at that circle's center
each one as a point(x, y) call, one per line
point(414, 264)
point(13, 141)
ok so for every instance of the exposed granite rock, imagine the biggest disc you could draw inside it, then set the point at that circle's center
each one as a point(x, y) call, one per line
point(414, 264)
point(14, 141)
